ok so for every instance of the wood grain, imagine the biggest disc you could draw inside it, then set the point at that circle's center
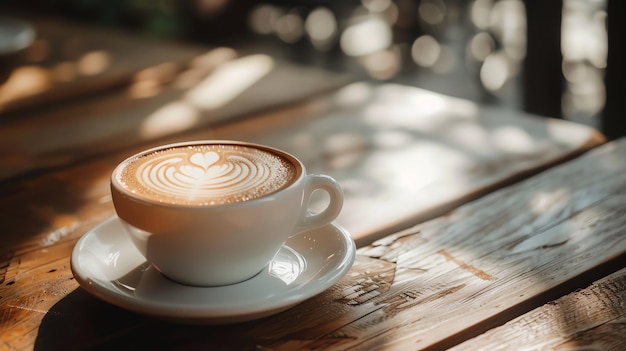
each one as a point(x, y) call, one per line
point(387, 145)
point(117, 120)
point(593, 318)
point(433, 285)
point(421, 288)
point(405, 155)
point(145, 90)
point(69, 60)
point(486, 260)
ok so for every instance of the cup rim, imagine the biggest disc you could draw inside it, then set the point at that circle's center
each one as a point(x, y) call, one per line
point(133, 197)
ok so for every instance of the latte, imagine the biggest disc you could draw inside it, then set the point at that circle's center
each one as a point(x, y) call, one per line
point(207, 174)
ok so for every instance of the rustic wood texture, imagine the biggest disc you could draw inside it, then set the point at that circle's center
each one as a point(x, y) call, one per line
point(425, 287)
point(404, 155)
point(593, 318)
point(434, 285)
point(116, 120)
point(161, 89)
point(69, 60)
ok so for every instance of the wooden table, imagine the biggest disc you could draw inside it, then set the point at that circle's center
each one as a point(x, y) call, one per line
point(478, 228)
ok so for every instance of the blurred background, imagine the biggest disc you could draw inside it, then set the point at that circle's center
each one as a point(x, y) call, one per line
point(552, 58)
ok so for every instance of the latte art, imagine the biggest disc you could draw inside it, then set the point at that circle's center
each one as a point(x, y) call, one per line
point(207, 174)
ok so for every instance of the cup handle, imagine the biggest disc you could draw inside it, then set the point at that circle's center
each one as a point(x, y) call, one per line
point(326, 183)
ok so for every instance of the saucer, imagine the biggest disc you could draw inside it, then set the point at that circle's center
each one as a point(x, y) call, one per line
point(107, 265)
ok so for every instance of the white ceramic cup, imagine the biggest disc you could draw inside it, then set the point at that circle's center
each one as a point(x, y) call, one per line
point(195, 242)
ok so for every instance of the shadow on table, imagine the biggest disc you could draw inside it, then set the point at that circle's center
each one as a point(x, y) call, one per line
point(83, 322)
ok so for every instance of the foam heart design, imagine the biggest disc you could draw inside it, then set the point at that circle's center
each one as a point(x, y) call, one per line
point(204, 160)
point(200, 169)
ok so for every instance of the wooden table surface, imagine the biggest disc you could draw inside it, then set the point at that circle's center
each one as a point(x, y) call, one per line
point(478, 228)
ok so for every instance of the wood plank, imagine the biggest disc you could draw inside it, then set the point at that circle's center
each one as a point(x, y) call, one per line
point(405, 155)
point(69, 60)
point(593, 318)
point(217, 87)
point(420, 288)
point(486, 260)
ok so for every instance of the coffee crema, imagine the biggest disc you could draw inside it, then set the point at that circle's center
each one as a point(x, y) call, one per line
point(207, 174)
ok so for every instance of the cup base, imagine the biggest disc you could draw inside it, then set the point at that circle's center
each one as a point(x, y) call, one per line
point(205, 285)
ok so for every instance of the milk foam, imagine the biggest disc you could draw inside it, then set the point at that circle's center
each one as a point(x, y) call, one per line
point(207, 174)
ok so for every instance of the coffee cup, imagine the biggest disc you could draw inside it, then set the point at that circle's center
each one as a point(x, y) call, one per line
point(215, 212)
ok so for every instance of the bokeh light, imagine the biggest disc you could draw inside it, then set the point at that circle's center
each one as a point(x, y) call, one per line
point(482, 42)
point(480, 13)
point(508, 23)
point(432, 12)
point(376, 5)
point(321, 27)
point(583, 36)
point(290, 27)
point(94, 62)
point(425, 51)
point(23, 82)
point(382, 64)
point(207, 8)
point(495, 72)
point(366, 36)
point(480, 46)
point(584, 46)
point(262, 18)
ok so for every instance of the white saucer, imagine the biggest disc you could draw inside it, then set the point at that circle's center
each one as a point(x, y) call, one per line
point(107, 265)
